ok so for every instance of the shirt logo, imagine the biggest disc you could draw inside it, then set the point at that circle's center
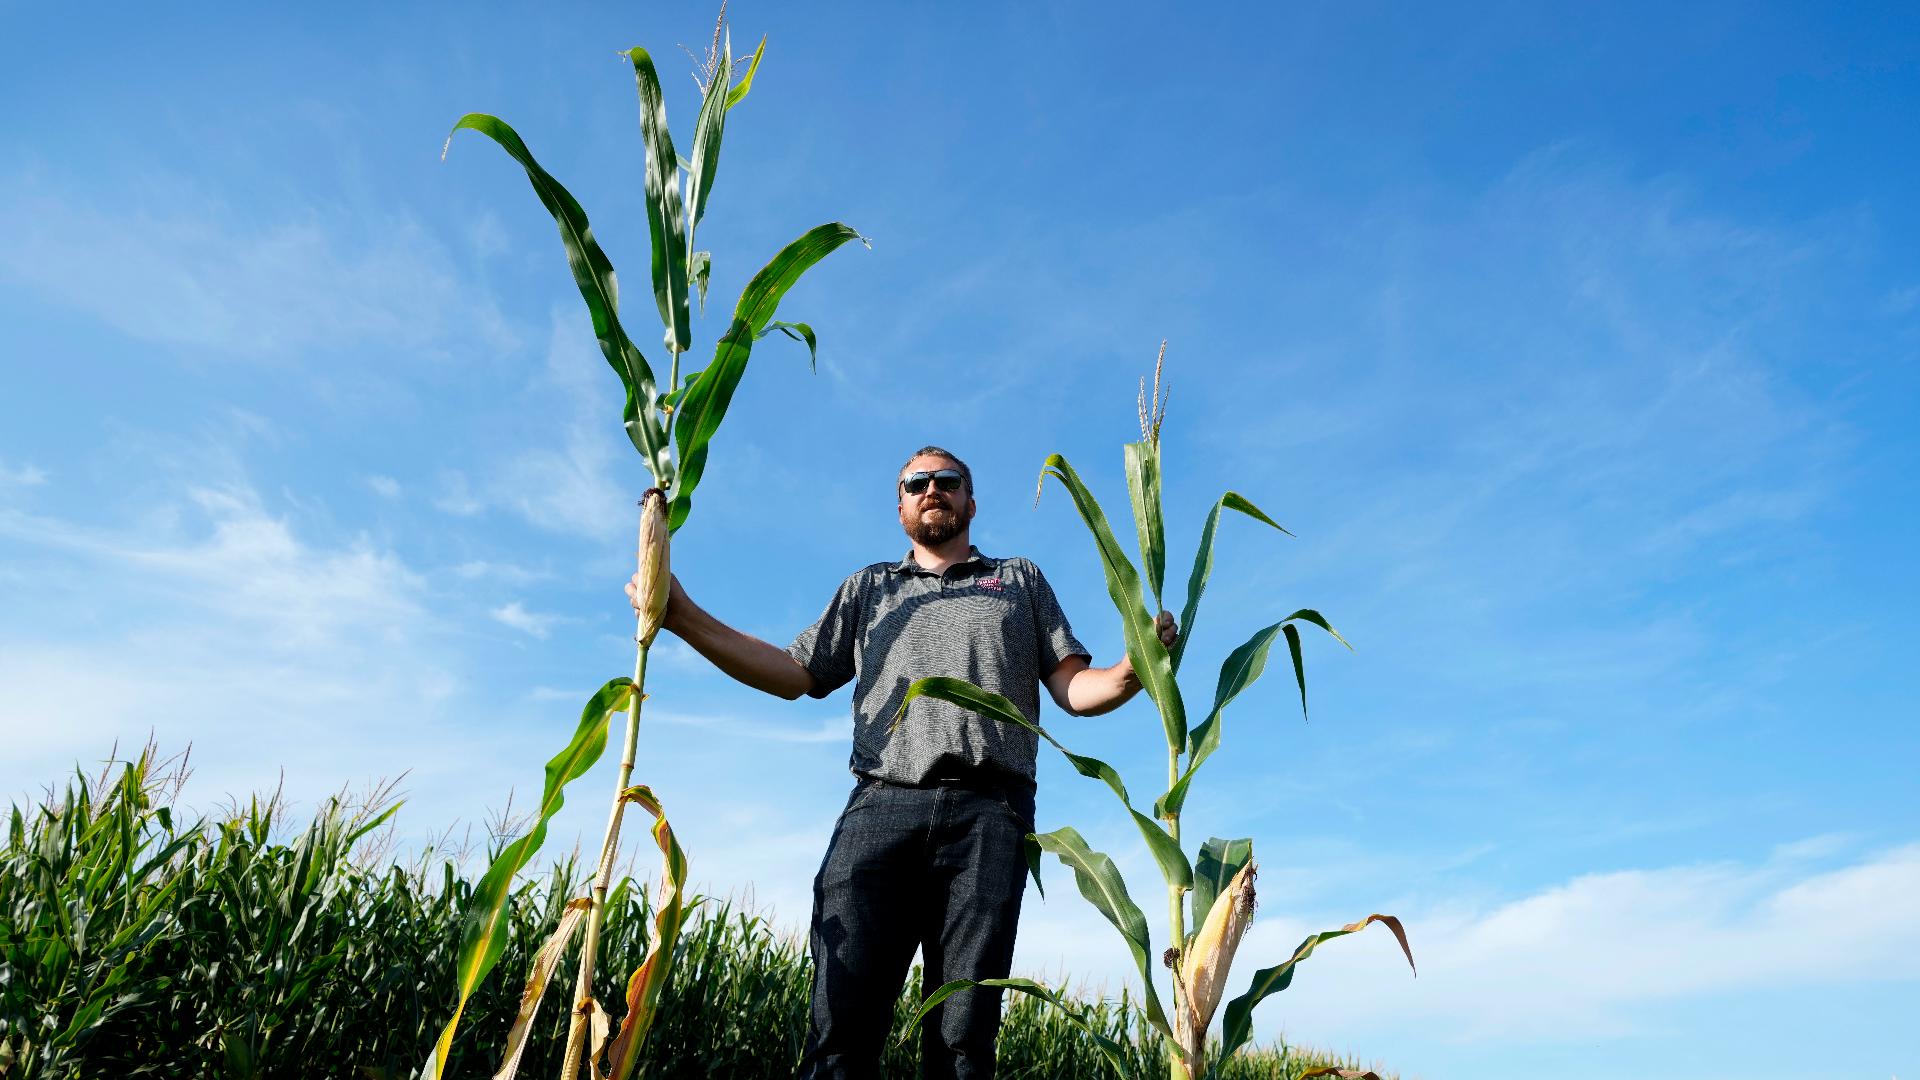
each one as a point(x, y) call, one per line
point(992, 583)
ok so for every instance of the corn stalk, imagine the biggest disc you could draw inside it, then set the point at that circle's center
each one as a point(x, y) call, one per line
point(1214, 893)
point(671, 424)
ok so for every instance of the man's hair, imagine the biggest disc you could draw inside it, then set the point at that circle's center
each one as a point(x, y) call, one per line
point(966, 474)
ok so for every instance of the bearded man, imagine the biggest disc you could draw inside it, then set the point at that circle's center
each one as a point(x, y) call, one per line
point(929, 851)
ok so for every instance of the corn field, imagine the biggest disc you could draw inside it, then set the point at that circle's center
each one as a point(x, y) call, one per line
point(136, 943)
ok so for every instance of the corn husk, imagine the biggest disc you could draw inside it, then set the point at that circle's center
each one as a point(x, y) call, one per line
point(1203, 970)
point(656, 576)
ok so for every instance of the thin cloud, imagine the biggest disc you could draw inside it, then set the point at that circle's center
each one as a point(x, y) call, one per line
point(384, 486)
point(197, 272)
point(21, 476)
point(514, 614)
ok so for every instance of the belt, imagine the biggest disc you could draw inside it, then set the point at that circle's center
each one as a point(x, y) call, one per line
point(981, 782)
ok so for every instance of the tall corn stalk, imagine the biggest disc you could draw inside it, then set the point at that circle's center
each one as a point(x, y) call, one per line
point(1216, 888)
point(670, 424)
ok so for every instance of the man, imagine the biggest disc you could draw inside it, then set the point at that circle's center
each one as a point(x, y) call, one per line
point(928, 853)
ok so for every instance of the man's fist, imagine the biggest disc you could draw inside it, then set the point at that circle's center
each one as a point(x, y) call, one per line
point(676, 600)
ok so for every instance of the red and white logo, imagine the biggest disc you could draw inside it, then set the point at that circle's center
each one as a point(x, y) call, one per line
point(993, 583)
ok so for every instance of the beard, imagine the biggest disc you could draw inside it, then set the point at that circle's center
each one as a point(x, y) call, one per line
point(937, 525)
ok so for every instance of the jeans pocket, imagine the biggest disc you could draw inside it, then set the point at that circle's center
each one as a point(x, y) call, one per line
point(863, 793)
point(1020, 805)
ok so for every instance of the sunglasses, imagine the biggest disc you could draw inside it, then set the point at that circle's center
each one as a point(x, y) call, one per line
point(944, 479)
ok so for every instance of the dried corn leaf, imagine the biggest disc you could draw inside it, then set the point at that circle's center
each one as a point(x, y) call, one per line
point(544, 963)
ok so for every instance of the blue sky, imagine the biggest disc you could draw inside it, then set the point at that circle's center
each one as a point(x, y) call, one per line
point(1576, 345)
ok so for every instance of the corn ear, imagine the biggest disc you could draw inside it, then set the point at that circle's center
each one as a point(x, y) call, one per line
point(656, 575)
point(1203, 970)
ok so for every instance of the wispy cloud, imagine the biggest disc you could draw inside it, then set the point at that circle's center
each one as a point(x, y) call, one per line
point(21, 476)
point(514, 614)
point(194, 269)
point(384, 486)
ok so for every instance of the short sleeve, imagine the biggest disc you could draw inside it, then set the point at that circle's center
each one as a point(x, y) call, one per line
point(1052, 636)
point(827, 648)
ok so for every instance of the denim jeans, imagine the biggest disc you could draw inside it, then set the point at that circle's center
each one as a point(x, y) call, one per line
point(938, 868)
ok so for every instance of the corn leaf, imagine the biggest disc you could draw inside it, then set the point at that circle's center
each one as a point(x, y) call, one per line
point(707, 131)
point(1244, 665)
point(1166, 850)
point(670, 912)
point(593, 275)
point(699, 269)
point(666, 223)
point(1219, 861)
point(1293, 647)
point(1109, 1049)
point(1143, 489)
point(544, 963)
point(1151, 662)
point(484, 934)
point(746, 81)
point(1101, 884)
point(1237, 1027)
point(1203, 565)
point(799, 331)
point(709, 395)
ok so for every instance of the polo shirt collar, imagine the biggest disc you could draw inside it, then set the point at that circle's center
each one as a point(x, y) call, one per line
point(908, 566)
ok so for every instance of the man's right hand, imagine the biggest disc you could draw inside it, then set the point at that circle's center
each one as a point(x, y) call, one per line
point(677, 601)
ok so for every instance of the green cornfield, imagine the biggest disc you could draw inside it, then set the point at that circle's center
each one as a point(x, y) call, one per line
point(135, 942)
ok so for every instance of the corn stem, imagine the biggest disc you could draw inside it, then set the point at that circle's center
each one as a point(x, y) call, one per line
point(583, 992)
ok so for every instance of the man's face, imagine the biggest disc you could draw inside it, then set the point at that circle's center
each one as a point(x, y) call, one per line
point(933, 517)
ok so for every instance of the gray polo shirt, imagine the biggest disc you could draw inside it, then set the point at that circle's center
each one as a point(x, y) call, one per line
point(993, 622)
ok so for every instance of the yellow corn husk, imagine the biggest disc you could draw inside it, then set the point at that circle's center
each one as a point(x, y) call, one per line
point(1204, 968)
point(655, 574)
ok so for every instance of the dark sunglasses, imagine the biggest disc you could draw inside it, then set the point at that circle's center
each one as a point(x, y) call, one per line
point(944, 479)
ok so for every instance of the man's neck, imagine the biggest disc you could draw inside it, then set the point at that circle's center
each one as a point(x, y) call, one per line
point(942, 557)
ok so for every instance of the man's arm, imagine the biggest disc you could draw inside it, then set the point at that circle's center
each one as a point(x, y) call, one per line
point(757, 663)
point(1084, 690)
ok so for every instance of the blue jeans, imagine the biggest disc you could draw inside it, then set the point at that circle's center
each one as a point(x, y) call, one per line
point(938, 868)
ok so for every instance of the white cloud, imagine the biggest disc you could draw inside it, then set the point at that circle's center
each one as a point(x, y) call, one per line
point(384, 486)
point(193, 270)
point(528, 622)
point(1593, 958)
point(488, 570)
point(23, 476)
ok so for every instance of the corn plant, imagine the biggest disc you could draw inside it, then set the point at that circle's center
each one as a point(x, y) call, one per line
point(1217, 887)
point(671, 424)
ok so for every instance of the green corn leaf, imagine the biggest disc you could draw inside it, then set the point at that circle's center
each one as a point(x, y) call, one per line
point(1212, 872)
point(709, 395)
point(593, 274)
point(1101, 884)
point(699, 269)
point(1203, 565)
point(666, 223)
point(1244, 665)
point(1143, 488)
point(1151, 662)
point(1166, 850)
point(799, 331)
point(707, 130)
point(1237, 1026)
point(484, 934)
point(1033, 852)
point(1293, 647)
point(739, 92)
point(1112, 1051)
